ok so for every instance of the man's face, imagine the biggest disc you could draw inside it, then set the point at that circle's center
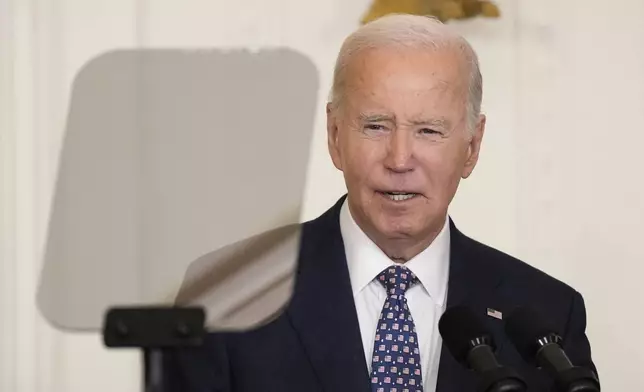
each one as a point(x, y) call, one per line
point(401, 140)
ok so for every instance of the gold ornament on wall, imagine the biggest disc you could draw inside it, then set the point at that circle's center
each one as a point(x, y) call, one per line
point(444, 10)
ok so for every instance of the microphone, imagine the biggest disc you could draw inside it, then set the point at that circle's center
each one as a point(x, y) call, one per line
point(541, 345)
point(473, 346)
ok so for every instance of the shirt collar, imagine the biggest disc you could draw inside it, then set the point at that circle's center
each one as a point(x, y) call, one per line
point(366, 260)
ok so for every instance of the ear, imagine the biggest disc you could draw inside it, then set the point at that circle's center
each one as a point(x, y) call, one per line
point(474, 147)
point(333, 135)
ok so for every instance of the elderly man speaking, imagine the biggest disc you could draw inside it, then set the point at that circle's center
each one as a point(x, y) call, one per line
point(404, 127)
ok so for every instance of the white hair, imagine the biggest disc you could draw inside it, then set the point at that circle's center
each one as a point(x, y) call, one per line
point(410, 31)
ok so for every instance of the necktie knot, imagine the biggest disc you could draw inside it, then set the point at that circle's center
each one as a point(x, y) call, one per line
point(397, 279)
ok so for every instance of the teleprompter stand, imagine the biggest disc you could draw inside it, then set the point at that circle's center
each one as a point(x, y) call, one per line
point(153, 330)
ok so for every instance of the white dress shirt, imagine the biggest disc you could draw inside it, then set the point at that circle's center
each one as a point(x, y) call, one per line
point(426, 299)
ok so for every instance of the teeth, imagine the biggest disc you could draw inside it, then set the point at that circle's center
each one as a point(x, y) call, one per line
point(399, 196)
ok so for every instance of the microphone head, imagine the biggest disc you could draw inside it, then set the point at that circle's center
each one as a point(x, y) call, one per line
point(461, 331)
point(528, 330)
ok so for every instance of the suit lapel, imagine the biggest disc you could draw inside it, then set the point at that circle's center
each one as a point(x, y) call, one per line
point(322, 310)
point(472, 283)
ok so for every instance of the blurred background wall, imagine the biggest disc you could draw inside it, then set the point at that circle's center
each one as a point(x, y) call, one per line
point(559, 183)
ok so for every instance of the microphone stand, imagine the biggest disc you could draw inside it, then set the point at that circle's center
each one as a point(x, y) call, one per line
point(568, 378)
point(577, 379)
point(501, 380)
point(492, 376)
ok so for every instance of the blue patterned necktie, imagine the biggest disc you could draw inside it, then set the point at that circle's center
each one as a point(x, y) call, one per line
point(396, 357)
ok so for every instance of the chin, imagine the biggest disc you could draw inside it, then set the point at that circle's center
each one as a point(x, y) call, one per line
point(416, 224)
point(398, 227)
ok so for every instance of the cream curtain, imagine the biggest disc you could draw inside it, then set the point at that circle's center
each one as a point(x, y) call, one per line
point(42, 43)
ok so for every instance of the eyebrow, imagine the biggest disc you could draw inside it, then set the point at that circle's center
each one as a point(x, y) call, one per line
point(434, 122)
point(366, 117)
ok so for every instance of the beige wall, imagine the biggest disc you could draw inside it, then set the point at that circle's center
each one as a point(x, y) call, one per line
point(559, 183)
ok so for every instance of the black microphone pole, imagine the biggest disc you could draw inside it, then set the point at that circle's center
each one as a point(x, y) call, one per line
point(569, 378)
point(538, 343)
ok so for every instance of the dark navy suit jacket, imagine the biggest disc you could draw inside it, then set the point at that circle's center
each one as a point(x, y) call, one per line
point(315, 345)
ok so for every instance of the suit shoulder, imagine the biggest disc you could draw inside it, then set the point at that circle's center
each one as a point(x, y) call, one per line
point(326, 224)
point(518, 271)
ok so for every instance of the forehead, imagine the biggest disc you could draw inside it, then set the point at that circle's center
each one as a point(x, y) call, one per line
point(407, 78)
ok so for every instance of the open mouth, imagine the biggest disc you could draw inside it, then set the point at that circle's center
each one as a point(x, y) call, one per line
point(399, 196)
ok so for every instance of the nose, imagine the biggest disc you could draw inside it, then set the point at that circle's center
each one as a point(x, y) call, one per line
point(399, 152)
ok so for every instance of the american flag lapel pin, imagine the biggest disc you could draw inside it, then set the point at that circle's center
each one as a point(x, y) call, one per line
point(494, 313)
